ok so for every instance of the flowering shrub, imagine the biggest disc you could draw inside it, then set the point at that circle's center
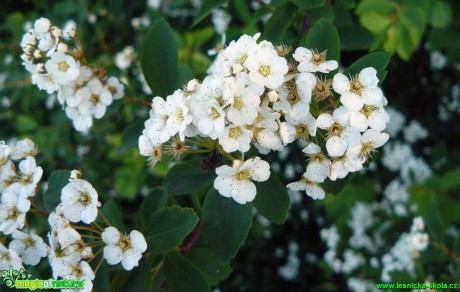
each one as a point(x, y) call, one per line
point(229, 144)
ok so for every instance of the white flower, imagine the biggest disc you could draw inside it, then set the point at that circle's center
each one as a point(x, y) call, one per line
point(41, 27)
point(237, 52)
point(178, 114)
point(79, 201)
point(4, 153)
point(30, 247)
point(155, 127)
point(9, 259)
point(311, 188)
point(124, 248)
point(13, 210)
point(268, 140)
point(61, 229)
point(235, 138)
point(303, 128)
point(236, 181)
point(312, 61)
point(318, 167)
point(23, 148)
point(147, 148)
point(62, 68)
point(115, 87)
point(30, 175)
point(244, 98)
point(369, 116)
point(295, 96)
point(340, 135)
point(266, 67)
point(8, 175)
point(221, 20)
point(81, 122)
point(95, 99)
point(209, 118)
point(78, 271)
point(360, 90)
point(369, 142)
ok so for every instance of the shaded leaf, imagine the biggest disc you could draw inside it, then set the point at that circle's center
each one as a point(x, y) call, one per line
point(187, 177)
point(57, 181)
point(182, 275)
point(168, 227)
point(272, 200)
point(159, 58)
point(224, 225)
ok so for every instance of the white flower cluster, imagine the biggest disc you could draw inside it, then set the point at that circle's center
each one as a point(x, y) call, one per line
point(19, 177)
point(83, 91)
point(79, 203)
point(401, 256)
point(253, 95)
point(16, 187)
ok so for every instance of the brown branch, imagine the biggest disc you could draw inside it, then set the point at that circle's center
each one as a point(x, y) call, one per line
point(303, 31)
point(138, 101)
point(191, 240)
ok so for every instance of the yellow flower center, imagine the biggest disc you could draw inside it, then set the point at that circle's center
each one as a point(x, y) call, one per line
point(214, 114)
point(13, 213)
point(124, 243)
point(237, 103)
point(63, 66)
point(234, 133)
point(243, 175)
point(264, 70)
point(85, 199)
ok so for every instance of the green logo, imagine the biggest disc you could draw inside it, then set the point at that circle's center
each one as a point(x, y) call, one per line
point(21, 280)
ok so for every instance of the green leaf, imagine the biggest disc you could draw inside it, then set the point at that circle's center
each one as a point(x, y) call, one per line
point(323, 36)
point(207, 7)
point(182, 275)
point(355, 37)
point(168, 227)
point(382, 6)
point(413, 20)
point(112, 213)
point(440, 14)
point(276, 26)
point(450, 180)
point(25, 123)
point(130, 136)
point(185, 74)
point(243, 10)
point(375, 22)
point(140, 279)
point(156, 199)
point(187, 177)
point(57, 181)
point(209, 264)
point(224, 224)
point(309, 4)
point(159, 57)
point(272, 200)
point(378, 60)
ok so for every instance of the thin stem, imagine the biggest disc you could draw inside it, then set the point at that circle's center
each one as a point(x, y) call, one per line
point(98, 265)
point(98, 226)
point(104, 218)
point(95, 255)
point(90, 236)
point(157, 269)
point(86, 228)
point(38, 211)
point(138, 101)
point(303, 31)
